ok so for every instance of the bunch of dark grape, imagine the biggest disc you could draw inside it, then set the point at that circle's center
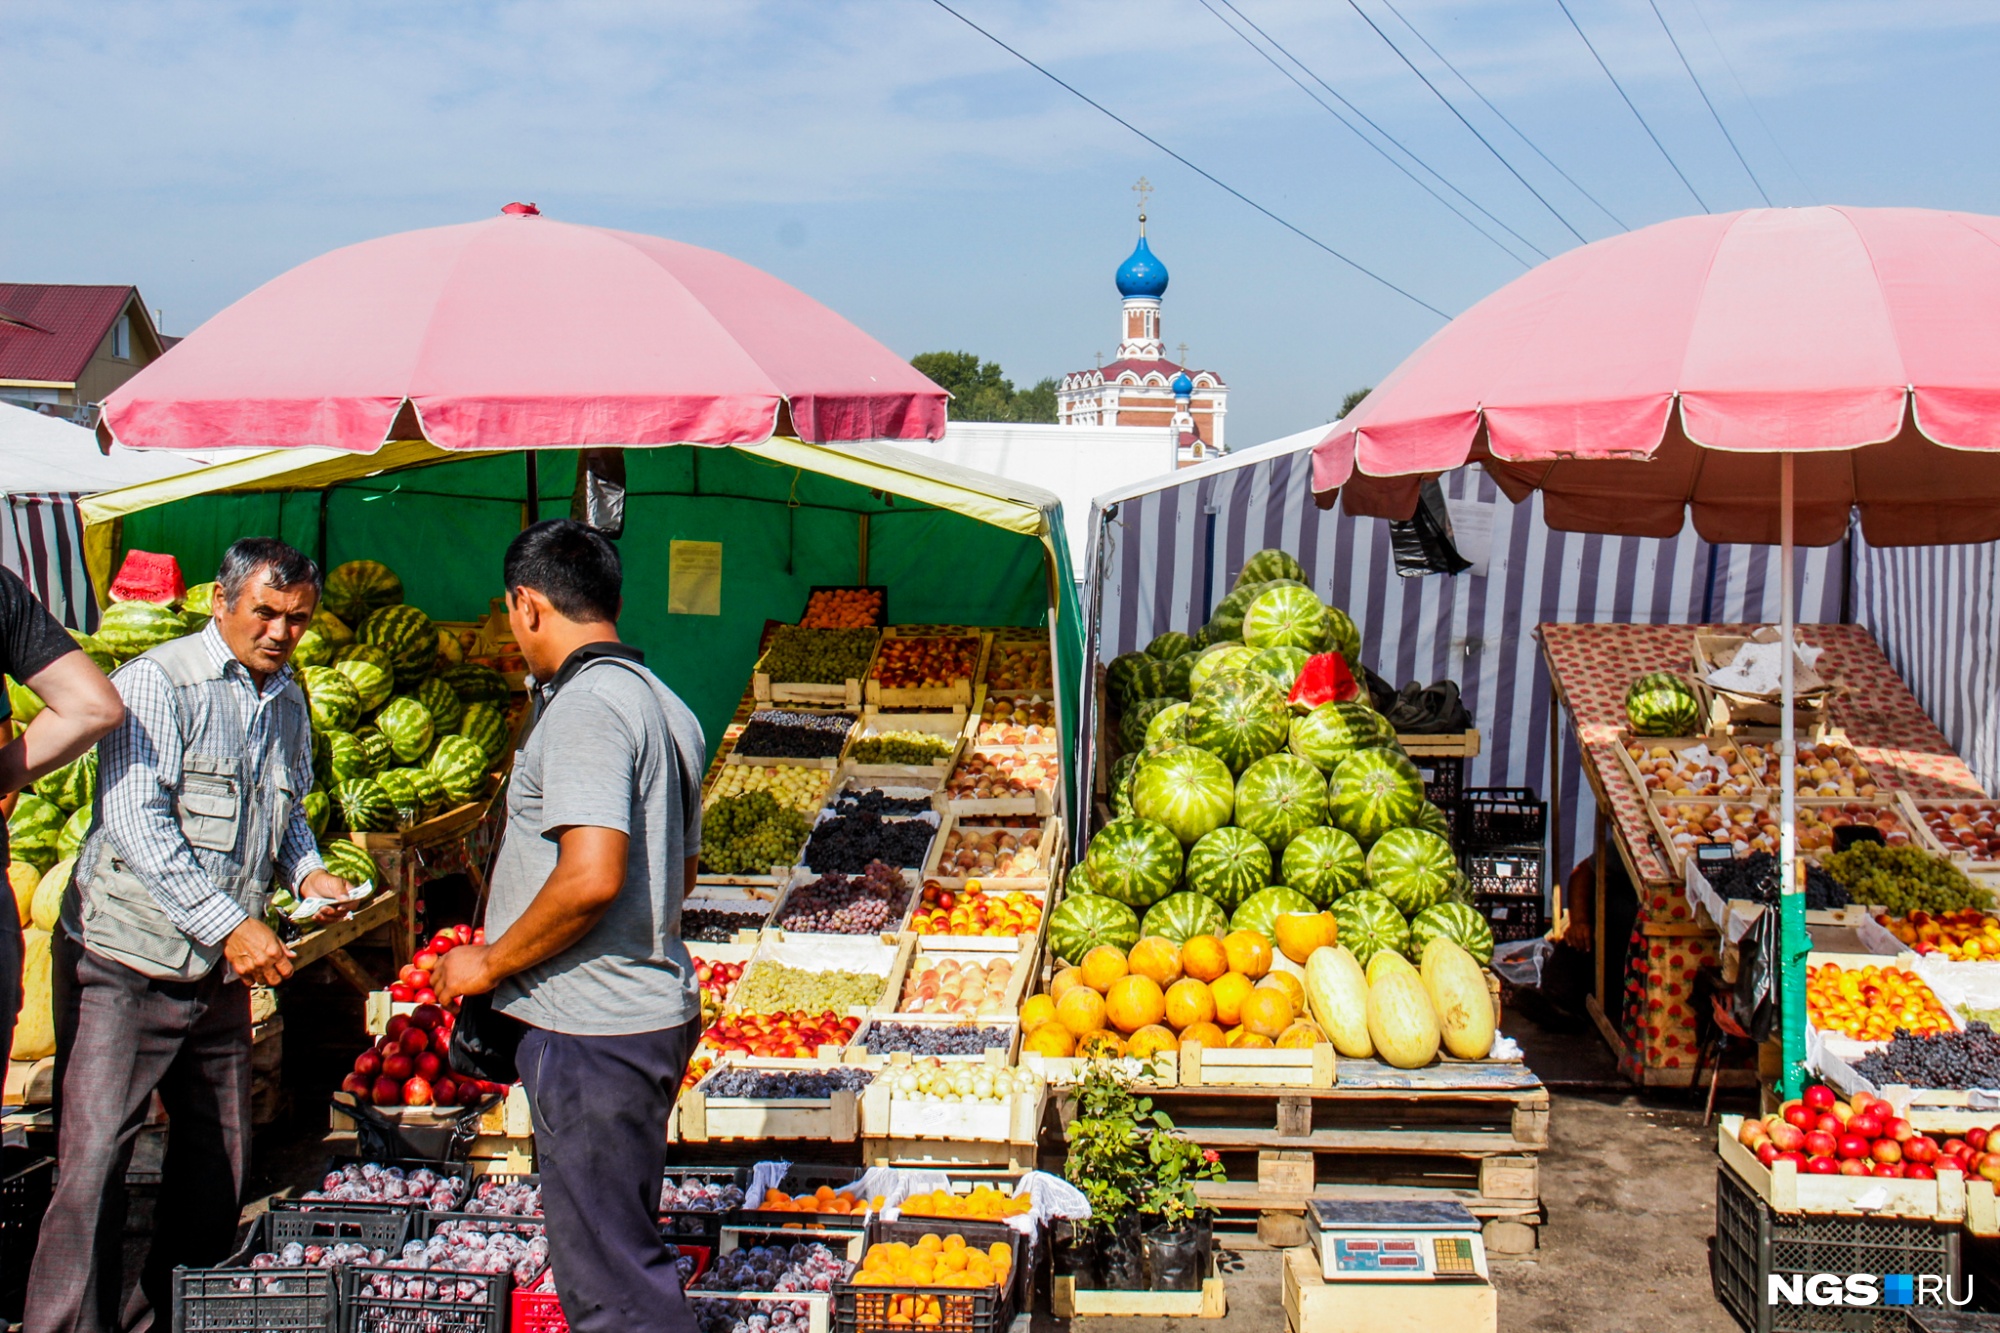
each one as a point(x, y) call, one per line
point(783, 733)
point(798, 1267)
point(717, 1316)
point(1754, 878)
point(372, 1182)
point(706, 925)
point(848, 843)
point(695, 1195)
point(1953, 1060)
point(817, 656)
point(749, 834)
point(875, 801)
point(786, 1084)
point(934, 1039)
point(834, 904)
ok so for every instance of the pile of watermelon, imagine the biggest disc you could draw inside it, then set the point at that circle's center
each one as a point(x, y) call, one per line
point(1236, 800)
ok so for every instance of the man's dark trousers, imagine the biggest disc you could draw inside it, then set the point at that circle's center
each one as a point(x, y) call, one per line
point(121, 1035)
point(600, 1108)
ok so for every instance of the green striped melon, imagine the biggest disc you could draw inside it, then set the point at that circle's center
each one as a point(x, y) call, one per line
point(461, 766)
point(1239, 719)
point(1132, 722)
point(312, 650)
point(1227, 620)
point(373, 684)
point(359, 587)
point(1120, 783)
point(326, 634)
point(127, 629)
point(364, 807)
point(376, 752)
point(357, 651)
point(1121, 678)
point(1323, 863)
point(1203, 639)
point(199, 600)
point(1342, 636)
point(1182, 916)
point(407, 634)
point(22, 703)
point(1333, 731)
point(74, 830)
point(1135, 860)
point(33, 830)
point(430, 789)
point(1462, 925)
point(349, 861)
point(336, 704)
point(1186, 790)
point(1078, 880)
point(94, 650)
point(1366, 923)
point(447, 709)
point(1412, 868)
point(1229, 865)
point(345, 758)
point(1280, 664)
point(400, 786)
point(1432, 820)
point(1260, 911)
point(486, 726)
point(317, 808)
point(1373, 791)
point(1177, 677)
point(1083, 921)
point(1167, 726)
point(1268, 564)
point(1279, 797)
point(408, 727)
point(1286, 616)
point(476, 683)
point(1661, 703)
point(1220, 660)
point(1166, 647)
point(72, 786)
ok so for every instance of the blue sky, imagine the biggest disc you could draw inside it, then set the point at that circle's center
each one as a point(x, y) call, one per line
point(896, 165)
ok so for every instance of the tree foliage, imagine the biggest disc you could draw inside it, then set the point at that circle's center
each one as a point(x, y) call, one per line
point(1353, 400)
point(981, 392)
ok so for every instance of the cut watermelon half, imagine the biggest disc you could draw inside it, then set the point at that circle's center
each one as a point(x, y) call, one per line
point(147, 577)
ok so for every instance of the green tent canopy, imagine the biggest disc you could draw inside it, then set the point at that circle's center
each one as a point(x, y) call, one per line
point(952, 546)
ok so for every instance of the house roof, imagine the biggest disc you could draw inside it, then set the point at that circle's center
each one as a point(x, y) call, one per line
point(1163, 368)
point(49, 331)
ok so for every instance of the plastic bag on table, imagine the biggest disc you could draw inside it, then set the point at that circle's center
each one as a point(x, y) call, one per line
point(1054, 1197)
point(1753, 1004)
point(893, 1184)
point(1520, 962)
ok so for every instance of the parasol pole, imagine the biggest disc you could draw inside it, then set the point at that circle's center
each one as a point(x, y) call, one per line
point(1792, 942)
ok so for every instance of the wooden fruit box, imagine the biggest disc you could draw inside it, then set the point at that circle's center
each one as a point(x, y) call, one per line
point(1446, 745)
point(1157, 1073)
point(1721, 748)
point(1789, 1190)
point(1068, 1301)
point(1045, 855)
point(1005, 641)
point(1764, 801)
point(1036, 801)
point(802, 878)
point(948, 727)
point(957, 694)
point(735, 951)
point(975, 726)
point(933, 949)
point(846, 694)
point(1227, 1067)
point(886, 956)
point(858, 1052)
point(1913, 815)
point(1729, 710)
point(897, 1130)
point(932, 817)
point(1314, 1305)
point(705, 1119)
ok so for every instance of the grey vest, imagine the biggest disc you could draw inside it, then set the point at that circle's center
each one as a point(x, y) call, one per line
point(232, 807)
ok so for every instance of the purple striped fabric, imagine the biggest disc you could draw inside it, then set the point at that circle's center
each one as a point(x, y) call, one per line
point(41, 539)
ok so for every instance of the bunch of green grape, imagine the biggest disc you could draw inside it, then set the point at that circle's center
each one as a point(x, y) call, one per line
point(770, 987)
point(749, 834)
point(817, 656)
point(901, 747)
point(1903, 879)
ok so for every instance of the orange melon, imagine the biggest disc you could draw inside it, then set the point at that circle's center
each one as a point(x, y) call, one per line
point(1134, 1002)
point(1229, 991)
point(1101, 1045)
point(1299, 933)
point(1103, 966)
point(1188, 1003)
point(1204, 958)
point(1037, 1011)
point(1267, 1012)
point(1245, 1039)
point(1203, 1034)
point(1150, 1041)
point(1248, 952)
point(1051, 1039)
point(1063, 981)
point(1081, 1010)
point(1157, 958)
point(1302, 1035)
point(1294, 989)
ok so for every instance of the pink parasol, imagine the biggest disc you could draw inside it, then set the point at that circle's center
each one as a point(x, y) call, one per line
point(521, 332)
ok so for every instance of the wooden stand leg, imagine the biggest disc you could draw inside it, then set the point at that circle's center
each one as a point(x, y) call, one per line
point(1599, 946)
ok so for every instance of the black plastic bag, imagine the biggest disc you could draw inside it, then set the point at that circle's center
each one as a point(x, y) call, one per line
point(378, 1137)
point(1177, 1256)
point(1073, 1251)
point(1753, 1004)
point(1121, 1256)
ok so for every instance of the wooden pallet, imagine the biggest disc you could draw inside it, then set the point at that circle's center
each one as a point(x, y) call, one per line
point(1503, 1192)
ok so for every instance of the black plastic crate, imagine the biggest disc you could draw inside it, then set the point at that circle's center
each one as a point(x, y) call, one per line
point(436, 1301)
point(1444, 784)
point(799, 1179)
point(457, 1170)
point(1752, 1242)
point(27, 1179)
point(236, 1298)
point(701, 1226)
point(960, 1309)
point(910, 1230)
point(1501, 817)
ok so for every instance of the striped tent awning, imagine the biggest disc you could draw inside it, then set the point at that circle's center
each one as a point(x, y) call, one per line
point(41, 539)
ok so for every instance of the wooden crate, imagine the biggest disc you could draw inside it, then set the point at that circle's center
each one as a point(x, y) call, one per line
point(1728, 711)
point(1504, 1193)
point(846, 694)
point(1046, 849)
point(1008, 640)
point(948, 727)
point(1220, 1067)
point(1789, 1190)
point(802, 878)
point(1448, 745)
point(1068, 1301)
point(987, 698)
point(702, 1119)
point(958, 694)
point(390, 910)
point(858, 1053)
point(1314, 1305)
point(950, 1134)
point(1161, 1072)
point(927, 949)
point(1913, 815)
point(1765, 801)
point(1720, 747)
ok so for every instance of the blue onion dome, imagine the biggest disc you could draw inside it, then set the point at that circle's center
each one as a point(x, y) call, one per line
point(1142, 274)
point(1183, 386)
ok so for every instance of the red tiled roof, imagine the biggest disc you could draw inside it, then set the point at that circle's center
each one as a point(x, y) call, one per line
point(1111, 370)
point(49, 331)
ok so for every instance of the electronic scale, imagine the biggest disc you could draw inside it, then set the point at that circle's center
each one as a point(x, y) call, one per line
point(1396, 1241)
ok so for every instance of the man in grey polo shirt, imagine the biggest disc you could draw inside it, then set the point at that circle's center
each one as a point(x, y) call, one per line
point(603, 831)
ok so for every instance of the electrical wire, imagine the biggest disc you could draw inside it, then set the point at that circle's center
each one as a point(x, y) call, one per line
point(1210, 177)
point(1749, 101)
point(1696, 78)
point(1470, 127)
point(1518, 131)
point(1387, 156)
point(1633, 107)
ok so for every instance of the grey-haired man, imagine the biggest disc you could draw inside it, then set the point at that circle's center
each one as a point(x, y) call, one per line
point(198, 804)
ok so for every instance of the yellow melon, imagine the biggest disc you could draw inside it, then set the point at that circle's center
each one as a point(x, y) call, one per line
point(1229, 991)
point(1156, 957)
point(1303, 1034)
point(1102, 966)
point(1402, 1021)
point(1293, 988)
point(35, 1029)
point(1051, 1039)
point(1134, 1002)
point(1036, 1011)
point(1267, 1012)
point(1337, 994)
point(1204, 958)
point(1248, 951)
point(1203, 1034)
point(47, 908)
point(23, 879)
point(1458, 992)
point(1081, 1010)
point(1188, 1003)
point(1063, 981)
point(1150, 1041)
point(1299, 933)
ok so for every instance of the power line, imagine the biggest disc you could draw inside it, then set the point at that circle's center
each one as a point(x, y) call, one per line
point(1749, 101)
point(1387, 156)
point(1439, 94)
point(1675, 41)
point(1518, 131)
point(1631, 106)
point(1210, 177)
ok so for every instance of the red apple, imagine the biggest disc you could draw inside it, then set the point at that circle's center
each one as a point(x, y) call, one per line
point(1827, 1123)
point(1819, 1096)
point(1868, 1125)
point(1887, 1170)
point(1990, 1167)
point(1886, 1150)
point(1788, 1138)
point(417, 1092)
point(400, 993)
point(443, 942)
point(1922, 1148)
point(425, 959)
point(1795, 1159)
point(397, 1025)
point(445, 1091)
point(357, 1084)
point(414, 1040)
point(397, 1067)
point(1819, 1143)
point(428, 1017)
point(1822, 1166)
point(427, 1066)
point(1918, 1171)
point(386, 1092)
point(369, 1063)
point(463, 932)
point(1853, 1167)
point(425, 996)
point(1799, 1115)
point(479, 935)
point(413, 976)
point(1899, 1129)
point(1976, 1138)
point(1851, 1146)
point(1767, 1152)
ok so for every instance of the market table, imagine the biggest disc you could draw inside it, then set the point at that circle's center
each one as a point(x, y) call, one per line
point(1590, 667)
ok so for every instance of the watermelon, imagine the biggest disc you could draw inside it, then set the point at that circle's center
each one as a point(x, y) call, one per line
point(1433, 820)
point(1367, 923)
point(1181, 916)
point(1373, 791)
point(32, 832)
point(127, 629)
point(1227, 620)
point(1121, 675)
point(317, 807)
point(345, 758)
point(349, 861)
point(1229, 865)
point(486, 726)
point(399, 785)
point(359, 587)
point(1203, 639)
point(1279, 797)
point(72, 786)
point(1132, 723)
point(1456, 922)
point(1078, 881)
point(356, 651)
point(1239, 719)
point(74, 830)
point(199, 600)
point(1661, 703)
point(364, 807)
point(1220, 660)
point(1186, 790)
point(1177, 677)
point(409, 638)
point(376, 752)
point(1135, 860)
point(1149, 681)
point(1082, 921)
point(1412, 869)
point(430, 790)
point(94, 650)
point(1260, 912)
point(1280, 664)
point(1333, 731)
point(447, 709)
point(336, 704)
point(372, 683)
point(1342, 635)
point(22, 703)
point(407, 725)
point(477, 684)
point(1166, 728)
point(1286, 616)
point(459, 764)
point(1268, 564)
point(1324, 863)
point(451, 649)
point(1120, 783)
point(1166, 647)
point(312, 650)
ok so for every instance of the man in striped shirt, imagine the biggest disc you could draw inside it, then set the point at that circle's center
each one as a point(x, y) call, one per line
point(198, 804)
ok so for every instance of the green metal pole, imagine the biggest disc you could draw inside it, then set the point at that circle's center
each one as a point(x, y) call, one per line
point(1793, 943)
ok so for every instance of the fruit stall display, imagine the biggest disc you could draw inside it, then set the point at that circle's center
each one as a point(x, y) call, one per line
point(798, 787)
point(906, 745)
point(1824, 1154)
point(876, 901)
point(1014, 665)
point(1868, 1002)
point(913, 669)
point(1968, 832)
